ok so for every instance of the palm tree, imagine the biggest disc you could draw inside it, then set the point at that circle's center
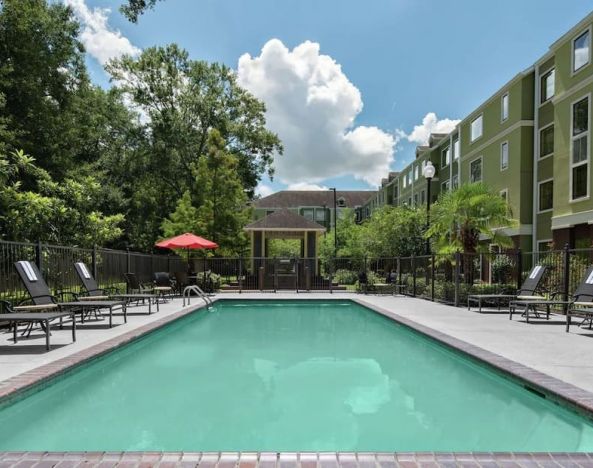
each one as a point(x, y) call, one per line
point(460, 217)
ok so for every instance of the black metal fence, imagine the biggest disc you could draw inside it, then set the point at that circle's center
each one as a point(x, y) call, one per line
point(443, 278)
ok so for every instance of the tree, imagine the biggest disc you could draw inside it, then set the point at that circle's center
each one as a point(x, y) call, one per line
point(134, 8)
point(395, 232)
point(183, 219)
point(180, 101)
point(223, 210)
point(461, 216)
point(41, 73)
point(63, 213)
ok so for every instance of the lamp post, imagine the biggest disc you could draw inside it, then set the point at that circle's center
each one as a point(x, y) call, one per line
point(333, 189)
point(428, 173)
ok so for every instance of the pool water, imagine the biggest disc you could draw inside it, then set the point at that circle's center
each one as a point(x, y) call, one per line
point(288, 376)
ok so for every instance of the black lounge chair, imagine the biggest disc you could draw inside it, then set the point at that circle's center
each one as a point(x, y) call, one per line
point(41, 295)
point(527, 291)
point(580, 305)
point(135, 286)
point(94, 292)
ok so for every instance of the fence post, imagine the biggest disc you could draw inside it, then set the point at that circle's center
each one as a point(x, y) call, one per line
point(275, 274)
point(94, 261)
point(457, 273)
point(261, 278)
point(128, 260)
point(413, 275)
point(566, 278)
point(432, 259)
point(399, 276)
point(519, 269)
point(331, 275)
point(39, 256)
point(240, 274)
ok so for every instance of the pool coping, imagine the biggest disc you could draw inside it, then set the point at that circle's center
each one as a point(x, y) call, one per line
point(564, 393)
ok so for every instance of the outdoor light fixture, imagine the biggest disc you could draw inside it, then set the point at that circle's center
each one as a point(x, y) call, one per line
point(428, 172)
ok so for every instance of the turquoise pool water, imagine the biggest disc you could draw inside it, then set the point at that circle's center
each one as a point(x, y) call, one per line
point(288, 376)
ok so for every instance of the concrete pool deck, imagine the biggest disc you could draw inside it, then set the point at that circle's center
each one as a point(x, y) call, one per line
point(540, 351)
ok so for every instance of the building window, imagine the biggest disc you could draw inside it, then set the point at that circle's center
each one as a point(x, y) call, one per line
point(504, 107)
point(415, 199)
point(476, 128)
point(341, 201)
point(410, 201)
point(320, 215)
point(445, 186)
point(456, 149)
point(416, 172)
point(504, 156)
point(548, 85)
point(544, 245)
point(580, 51)
point(410, 177)
point(546, 196)
point(455, 182)
point(505, 195)
point(308, 213)
point(445, 157)
point(579, 161)
point(475, 170)
point(546, 141)
point(423, 197)
point(395, 191)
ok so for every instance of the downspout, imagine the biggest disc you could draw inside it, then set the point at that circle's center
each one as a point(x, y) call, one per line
point(534, 190)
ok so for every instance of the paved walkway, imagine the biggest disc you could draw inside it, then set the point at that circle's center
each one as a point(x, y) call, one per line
point(541, 345)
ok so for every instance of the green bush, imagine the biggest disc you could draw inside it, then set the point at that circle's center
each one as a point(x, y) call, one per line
point(502, 269)
point(344, 276)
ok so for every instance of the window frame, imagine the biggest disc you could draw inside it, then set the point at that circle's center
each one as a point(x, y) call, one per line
point(541, 88)
point(481, 159)
point(573, 72)
point(541, 241)
point(447, 159)
point(504, 118)
point(587, 161)
point(481, 117)
point(539, 184)
point(457, 145)
point(455, 186)
point(506, 142)
point(506, 194)
point(539, 142)
point(446, 186)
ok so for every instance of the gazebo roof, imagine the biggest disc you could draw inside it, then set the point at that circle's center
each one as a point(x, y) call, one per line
point(284, 220)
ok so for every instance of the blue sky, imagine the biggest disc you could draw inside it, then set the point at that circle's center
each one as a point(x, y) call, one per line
point(406, 57)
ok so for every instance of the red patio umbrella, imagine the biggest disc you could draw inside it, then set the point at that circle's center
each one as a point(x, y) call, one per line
point(187, 241)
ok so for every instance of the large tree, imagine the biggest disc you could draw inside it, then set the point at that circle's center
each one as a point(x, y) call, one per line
point(180, 101)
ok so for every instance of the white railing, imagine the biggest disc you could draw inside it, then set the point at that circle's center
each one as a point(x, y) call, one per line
point(187, 292)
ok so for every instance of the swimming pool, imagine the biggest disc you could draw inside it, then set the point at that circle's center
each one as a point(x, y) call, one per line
point(288, 376)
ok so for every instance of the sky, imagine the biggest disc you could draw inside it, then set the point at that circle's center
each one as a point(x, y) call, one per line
point(351, 87)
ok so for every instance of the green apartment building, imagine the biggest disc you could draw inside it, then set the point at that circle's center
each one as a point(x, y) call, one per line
point(530, 141)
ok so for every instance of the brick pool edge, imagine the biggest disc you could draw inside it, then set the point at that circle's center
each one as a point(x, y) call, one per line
point(580, 399)
point(293, 460)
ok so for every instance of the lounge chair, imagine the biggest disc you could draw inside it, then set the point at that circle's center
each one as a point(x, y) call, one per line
point(527, 291)
point(94, 292)
point(42, 314)
point(580, 305)
point(41, 295)
point(134, 286)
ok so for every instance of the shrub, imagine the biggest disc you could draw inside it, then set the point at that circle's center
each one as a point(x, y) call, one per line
point(344, 276)
point(502, 269)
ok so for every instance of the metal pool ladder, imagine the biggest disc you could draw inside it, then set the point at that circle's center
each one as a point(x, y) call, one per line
point(187, 292)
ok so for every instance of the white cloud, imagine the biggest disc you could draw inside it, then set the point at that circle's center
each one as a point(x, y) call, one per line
point(306, 186)
point(312, 106)
point(430, 124)
point(100, 40)
point(263, 190)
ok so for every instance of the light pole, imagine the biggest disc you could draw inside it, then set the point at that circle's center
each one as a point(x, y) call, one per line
point(428, 173)
point(333, 189)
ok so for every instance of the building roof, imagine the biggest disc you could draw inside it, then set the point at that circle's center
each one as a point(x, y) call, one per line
point(298, 198)
point(284, 220)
